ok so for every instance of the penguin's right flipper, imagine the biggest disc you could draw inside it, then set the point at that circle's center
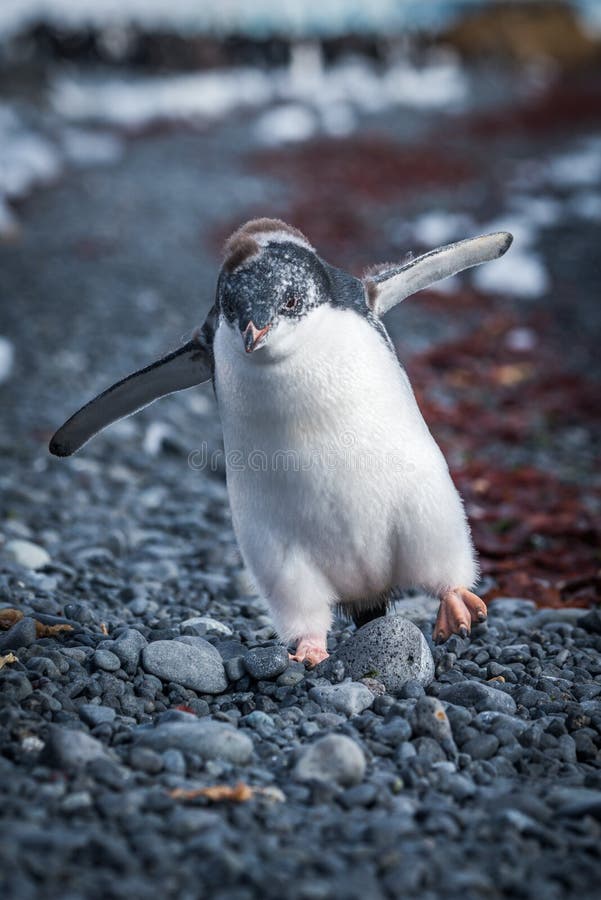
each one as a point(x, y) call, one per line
point(392, 284)
point(184, 368)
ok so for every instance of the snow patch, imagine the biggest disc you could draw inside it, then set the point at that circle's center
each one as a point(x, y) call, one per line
point(520, 273)
point(441, 84)
point(29, 159)
point(136, 102)
point(286, 124)
point(579, 167)
point(521, 339)
point(26, 158)
point(86, 147)
point(543, 211)
point(432, 229)
point(310, 95)
point(586, 206)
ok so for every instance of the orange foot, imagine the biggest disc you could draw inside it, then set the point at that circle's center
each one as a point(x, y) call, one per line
point(458, 609)
point(311, 651)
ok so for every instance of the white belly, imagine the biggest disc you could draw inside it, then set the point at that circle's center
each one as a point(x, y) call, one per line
point(330, 464)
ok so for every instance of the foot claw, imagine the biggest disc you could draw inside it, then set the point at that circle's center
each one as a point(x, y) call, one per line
point(463, 632)
point(309, 652)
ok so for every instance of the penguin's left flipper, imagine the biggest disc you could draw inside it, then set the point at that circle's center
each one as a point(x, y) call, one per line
point(184, 368)
point(390, 285)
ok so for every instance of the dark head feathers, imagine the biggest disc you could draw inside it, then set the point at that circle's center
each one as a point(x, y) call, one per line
point(246, 241)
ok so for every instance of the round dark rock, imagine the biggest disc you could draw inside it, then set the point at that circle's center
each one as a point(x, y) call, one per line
point(266, 662)
point(93, 714)
point(146, 760)
point(391, 649)
point(480, 696)
point(22, 634)
point(428, 750)
point(482, 746)
point(67, 748)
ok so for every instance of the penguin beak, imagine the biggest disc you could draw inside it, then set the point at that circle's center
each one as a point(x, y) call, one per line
point(253, 336)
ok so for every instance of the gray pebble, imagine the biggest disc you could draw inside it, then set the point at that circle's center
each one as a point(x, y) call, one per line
point(591, 621)
point(391, 649)
point(191, 666)
point(235, 668)
point(294, 674)
point(505, 607)
point(146, 760)
point(200, 643)
point(22, 634)
point(16, 684)
point(42, 665)
point(261, 722)
point(203, 737)
point(480, 696)
point(93, 714)
point(428, 750)
point(483, 746)
point(394, 732)
point(577, 802)
point(27, 554)
point(174, 762)
point(67, 748)
point(209, 624)
point(335, 758)
point(429, 719)
point(266, 662)
point(568, 616)
point(349, 697)
point(76, 802)
point(105, 659)
point(514, 653)
point(128, 647)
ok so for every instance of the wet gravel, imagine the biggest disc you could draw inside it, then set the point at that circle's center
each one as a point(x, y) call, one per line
point(486, 782)
point(483, 782)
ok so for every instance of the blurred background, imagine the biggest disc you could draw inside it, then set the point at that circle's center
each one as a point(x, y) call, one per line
point(136, 134)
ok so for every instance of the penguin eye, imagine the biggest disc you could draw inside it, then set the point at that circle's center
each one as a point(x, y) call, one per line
point(290, 303)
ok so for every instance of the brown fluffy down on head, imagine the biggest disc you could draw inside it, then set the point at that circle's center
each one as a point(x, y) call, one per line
point(238, 249)
point(241, 245)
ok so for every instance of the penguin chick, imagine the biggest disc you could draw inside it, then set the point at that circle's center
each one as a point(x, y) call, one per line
point(339, 493)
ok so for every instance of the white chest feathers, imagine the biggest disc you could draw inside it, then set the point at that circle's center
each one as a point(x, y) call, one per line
point(331, 469)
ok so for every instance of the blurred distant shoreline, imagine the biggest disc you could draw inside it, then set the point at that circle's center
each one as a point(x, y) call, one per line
point(189, 36)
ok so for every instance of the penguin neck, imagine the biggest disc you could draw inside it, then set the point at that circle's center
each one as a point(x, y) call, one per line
point(337, 376)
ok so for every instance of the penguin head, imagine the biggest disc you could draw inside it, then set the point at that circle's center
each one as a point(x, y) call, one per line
point(272, 286)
